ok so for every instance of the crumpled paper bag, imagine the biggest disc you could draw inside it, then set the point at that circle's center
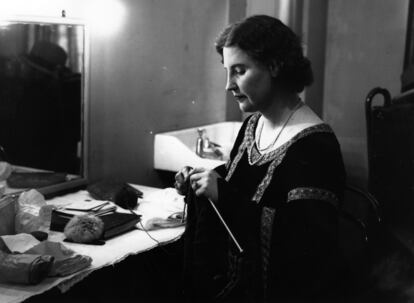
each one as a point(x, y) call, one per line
point(7, 214)
point(32, 214)
point(5, 170)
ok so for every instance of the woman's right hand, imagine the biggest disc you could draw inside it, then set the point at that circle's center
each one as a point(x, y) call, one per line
point(182, 180)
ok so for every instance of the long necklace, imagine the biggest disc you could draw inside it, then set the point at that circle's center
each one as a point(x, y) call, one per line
point(278, 135)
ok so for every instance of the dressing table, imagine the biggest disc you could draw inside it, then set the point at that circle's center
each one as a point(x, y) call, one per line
point(106, 258)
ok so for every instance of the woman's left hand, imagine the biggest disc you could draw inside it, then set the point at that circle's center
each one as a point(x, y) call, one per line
point(204, 183)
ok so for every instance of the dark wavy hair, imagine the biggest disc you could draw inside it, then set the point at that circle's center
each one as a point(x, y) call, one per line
point(267, 40)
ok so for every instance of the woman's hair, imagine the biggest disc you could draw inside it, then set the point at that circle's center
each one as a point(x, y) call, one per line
point(269, 41)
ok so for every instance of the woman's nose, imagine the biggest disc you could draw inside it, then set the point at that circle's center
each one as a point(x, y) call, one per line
point(230, 84)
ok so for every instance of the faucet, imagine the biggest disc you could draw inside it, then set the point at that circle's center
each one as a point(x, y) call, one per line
point(200, 142)
point(206, 148)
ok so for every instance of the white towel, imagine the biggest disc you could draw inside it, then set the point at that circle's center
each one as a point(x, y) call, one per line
point(161, 209)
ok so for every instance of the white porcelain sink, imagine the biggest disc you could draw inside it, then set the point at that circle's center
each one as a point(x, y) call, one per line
point(175, 149)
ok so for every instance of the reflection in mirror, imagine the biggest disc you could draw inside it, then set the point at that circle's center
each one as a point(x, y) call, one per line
point(41, 90)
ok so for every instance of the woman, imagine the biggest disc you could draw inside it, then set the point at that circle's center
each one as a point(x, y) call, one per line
point(280, 190)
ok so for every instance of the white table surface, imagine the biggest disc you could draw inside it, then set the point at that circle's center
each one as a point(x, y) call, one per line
point(115, 250)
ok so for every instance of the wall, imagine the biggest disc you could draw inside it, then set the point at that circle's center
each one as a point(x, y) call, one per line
point(160, 72)
point(354, 46)
point(153, 68)
point(314, 39)
point(364, 49)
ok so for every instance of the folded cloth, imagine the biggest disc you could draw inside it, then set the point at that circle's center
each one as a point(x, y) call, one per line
point(24, 268)
point(162, 209)
point(66, 261)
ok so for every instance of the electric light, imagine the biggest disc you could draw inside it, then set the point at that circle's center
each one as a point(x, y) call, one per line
point(103, 16)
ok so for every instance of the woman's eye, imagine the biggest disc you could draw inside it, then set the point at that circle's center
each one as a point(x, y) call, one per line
point(239, 71)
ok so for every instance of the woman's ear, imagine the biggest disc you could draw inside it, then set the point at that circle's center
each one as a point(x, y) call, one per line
point(274, 69)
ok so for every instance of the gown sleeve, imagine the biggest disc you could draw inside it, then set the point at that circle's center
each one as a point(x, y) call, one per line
point(304, 258)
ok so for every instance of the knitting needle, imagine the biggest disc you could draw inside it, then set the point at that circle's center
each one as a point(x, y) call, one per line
point(225, 225)
point(191, 170)
point(99, 207)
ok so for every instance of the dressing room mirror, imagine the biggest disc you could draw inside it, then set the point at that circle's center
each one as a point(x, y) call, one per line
point(43, 106)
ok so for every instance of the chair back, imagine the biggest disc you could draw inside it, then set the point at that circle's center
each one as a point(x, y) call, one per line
point(358, 225)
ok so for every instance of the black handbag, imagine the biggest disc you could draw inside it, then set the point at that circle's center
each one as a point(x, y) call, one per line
point(121, 193)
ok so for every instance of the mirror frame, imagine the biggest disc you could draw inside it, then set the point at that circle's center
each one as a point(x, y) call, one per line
point(407, 76)
point(56, 189)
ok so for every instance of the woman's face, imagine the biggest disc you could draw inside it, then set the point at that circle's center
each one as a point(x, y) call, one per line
point(250, 81)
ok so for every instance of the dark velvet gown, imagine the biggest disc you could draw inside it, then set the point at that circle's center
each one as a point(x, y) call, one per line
point(282, 209)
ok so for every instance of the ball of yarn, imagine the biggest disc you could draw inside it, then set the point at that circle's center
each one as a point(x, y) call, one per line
point(84, 228)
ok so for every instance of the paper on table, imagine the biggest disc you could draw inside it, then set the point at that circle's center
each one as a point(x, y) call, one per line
point(20, 242)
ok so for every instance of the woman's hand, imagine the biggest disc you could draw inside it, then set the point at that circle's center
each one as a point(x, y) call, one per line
point(204, 183)
point(182, 180)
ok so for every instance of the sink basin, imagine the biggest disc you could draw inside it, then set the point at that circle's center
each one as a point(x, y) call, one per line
point(176, 149)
